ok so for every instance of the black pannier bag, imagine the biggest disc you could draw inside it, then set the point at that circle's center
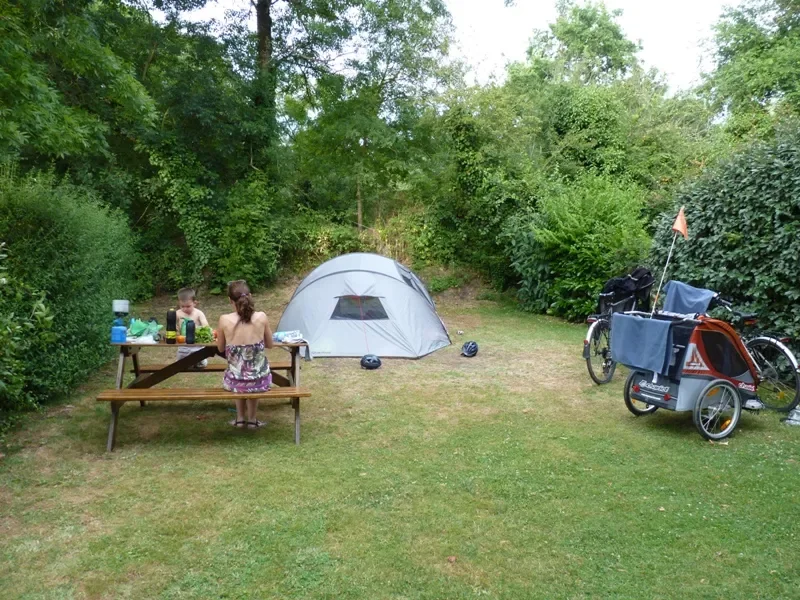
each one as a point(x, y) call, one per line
point(626, 292)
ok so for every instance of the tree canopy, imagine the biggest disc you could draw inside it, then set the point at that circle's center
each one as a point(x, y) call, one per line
point(757, 64)
point(350, 116)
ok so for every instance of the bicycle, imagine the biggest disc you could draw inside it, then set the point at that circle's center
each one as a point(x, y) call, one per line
point(597, 343)
point(777, 366)
point(621, 294)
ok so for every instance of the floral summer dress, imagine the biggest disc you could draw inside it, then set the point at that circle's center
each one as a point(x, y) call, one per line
point(248, 369)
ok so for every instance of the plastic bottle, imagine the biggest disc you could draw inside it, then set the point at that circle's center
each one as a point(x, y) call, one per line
point(119, 333)
point(189, 331)
point(172, 323)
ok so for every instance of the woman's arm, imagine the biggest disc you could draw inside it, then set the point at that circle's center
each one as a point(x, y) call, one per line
point(267, 333)
point(221, 338)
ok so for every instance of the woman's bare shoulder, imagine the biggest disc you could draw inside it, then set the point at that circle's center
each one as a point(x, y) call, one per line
point(228, 318)
point(259, 317)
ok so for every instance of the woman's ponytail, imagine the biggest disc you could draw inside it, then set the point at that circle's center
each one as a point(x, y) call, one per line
point(239, 292)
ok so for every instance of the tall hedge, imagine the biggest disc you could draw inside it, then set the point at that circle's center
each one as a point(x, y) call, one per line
point(25, 331)
point(67, 258)
point(580, 235)
point(744, 231)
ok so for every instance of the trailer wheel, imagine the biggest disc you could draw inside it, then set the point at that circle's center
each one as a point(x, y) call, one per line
point(717, 411)
point(637, 407)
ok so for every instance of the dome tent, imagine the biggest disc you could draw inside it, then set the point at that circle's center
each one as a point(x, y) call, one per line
point(361, 303)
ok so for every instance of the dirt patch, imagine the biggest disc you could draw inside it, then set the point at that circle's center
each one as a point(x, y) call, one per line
point(63, 412)
point(465, 295)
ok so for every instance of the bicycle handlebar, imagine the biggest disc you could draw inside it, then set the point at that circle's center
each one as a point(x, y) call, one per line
point(728, 305)
point(722, 302)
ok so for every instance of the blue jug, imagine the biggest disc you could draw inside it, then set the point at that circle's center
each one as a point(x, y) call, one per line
point(119, 333)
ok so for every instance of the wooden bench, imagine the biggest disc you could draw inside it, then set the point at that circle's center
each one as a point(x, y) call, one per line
point(118, 397)
point(276, 365)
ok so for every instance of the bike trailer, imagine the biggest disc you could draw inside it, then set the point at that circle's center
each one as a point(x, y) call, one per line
point(685, 362)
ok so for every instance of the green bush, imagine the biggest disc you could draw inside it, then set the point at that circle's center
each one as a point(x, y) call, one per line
point(306, 238)
point(486, 186)
point(580, 235)
point(78, 254)
point(25, 330)
point(165, 263)
point(441, 283)
point(248, 245)
point(744, 231)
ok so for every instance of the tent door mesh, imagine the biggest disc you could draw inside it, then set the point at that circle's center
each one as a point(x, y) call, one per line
point(359, 308)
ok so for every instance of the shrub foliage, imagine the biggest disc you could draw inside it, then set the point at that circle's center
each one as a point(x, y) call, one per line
point(67, 258)
point(744, 231)
point(580, 235)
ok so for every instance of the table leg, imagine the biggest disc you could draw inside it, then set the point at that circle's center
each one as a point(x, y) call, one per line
point(112, 428)
point(296, 406)
point(135, 359)
point(121, 368)
point(296, 366)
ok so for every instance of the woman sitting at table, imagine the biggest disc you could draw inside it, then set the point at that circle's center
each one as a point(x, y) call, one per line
point(243, 336)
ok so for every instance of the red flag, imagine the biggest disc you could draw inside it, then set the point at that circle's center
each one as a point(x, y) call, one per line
point(680, 224)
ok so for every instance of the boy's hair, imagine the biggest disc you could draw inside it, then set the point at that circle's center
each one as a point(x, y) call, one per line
point(186, 295)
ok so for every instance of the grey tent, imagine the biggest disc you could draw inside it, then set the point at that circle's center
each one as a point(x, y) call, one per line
point(360, 304)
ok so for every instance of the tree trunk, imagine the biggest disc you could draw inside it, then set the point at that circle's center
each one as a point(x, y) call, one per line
point(360, 203)
point(363, 142)
point(264, 31)
point(267, 76)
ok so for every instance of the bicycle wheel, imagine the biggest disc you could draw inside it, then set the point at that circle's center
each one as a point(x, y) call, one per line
point(637, 407)
point(599, 362)
point(779, 385)
point(717, 410)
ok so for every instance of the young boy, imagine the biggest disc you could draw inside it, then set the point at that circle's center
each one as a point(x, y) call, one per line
point(188, 311)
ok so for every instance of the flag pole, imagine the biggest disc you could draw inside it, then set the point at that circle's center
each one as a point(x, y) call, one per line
point(664, 273)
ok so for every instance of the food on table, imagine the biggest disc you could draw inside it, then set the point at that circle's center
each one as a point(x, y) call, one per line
point(204, 335)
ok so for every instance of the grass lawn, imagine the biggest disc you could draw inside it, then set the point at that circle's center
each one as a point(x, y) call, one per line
point(509, 475)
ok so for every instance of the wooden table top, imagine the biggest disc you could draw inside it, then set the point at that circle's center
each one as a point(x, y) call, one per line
point(163, 343)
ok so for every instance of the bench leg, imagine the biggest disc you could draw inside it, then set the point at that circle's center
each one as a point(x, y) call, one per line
point(296, 407)
point(112, 428)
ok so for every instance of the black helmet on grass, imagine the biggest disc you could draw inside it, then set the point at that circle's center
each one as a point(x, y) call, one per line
point(370, 362)
point(469, 349)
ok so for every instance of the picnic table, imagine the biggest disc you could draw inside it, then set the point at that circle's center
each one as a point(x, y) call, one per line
point(142, 388)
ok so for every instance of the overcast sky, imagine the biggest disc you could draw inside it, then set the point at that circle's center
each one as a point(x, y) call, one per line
point(674, 33)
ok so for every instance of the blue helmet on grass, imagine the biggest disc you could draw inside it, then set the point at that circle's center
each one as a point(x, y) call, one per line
point(469, 349)
point(370, 362)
